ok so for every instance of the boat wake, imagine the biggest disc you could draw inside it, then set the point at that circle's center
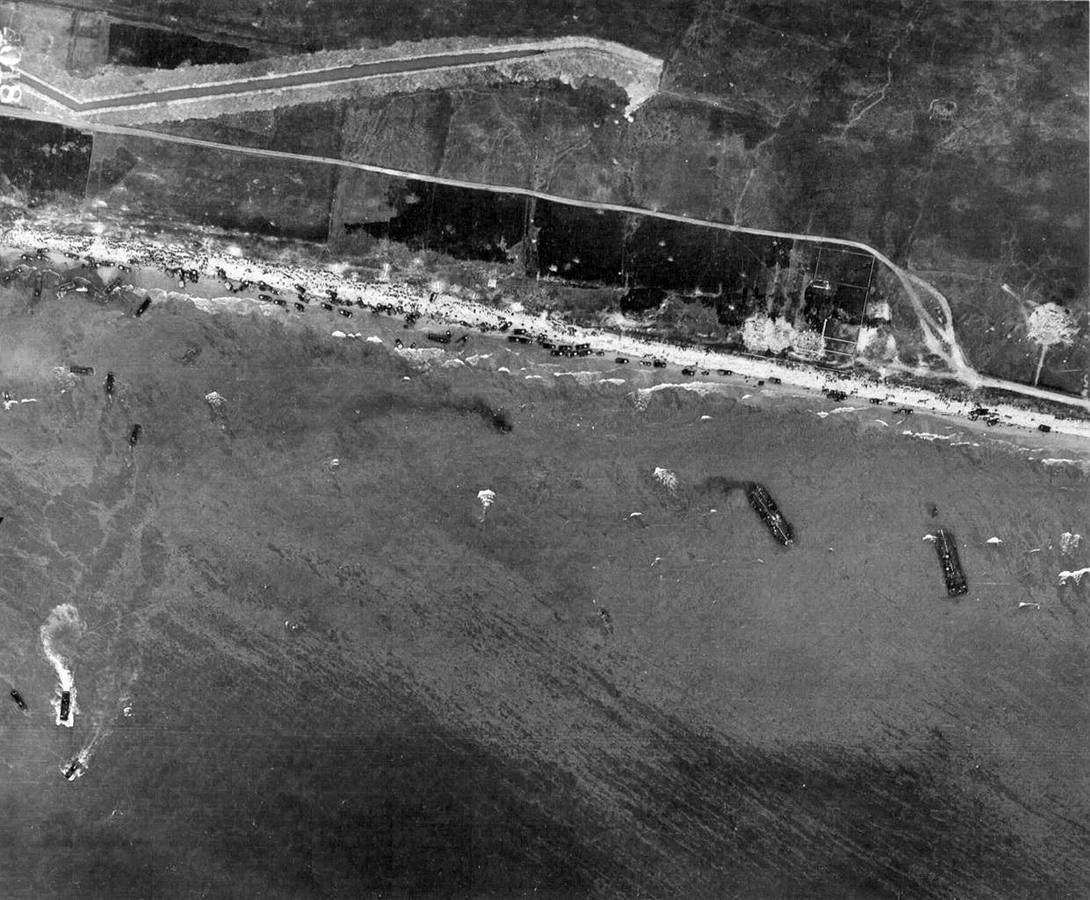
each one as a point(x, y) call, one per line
point(63, 624)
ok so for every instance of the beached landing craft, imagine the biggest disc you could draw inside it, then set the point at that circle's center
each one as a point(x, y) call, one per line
point(956, 585)
point(766, 508)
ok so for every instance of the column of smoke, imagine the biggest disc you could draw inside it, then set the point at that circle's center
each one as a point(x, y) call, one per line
point(62, 618)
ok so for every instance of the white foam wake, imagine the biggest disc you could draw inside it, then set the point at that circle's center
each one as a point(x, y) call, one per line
point(62, 619)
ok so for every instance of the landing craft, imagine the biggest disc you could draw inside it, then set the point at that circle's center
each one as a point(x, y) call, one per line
point(134, 435)
point(956, 584)
point(143, 308)
point(82, 370)
point(63, 717)
point(763, 504)
point(109, 385)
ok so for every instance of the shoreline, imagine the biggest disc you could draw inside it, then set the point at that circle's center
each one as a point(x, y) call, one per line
point(398, 299)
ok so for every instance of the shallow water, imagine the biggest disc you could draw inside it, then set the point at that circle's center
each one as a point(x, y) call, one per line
point(344, 680)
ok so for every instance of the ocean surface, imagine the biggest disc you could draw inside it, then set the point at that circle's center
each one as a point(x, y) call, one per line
point(308, 660)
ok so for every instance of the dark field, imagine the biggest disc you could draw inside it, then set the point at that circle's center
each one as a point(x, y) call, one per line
point(343, 681)
point(147, 180)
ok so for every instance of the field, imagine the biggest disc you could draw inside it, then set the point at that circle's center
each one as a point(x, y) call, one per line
point(136, 179)
point(345, 677)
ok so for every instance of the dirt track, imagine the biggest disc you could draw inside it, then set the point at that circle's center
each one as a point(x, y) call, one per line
point(343, 682)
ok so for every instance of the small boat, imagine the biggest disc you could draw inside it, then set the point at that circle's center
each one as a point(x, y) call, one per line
point(18, 698)
point(73, 770)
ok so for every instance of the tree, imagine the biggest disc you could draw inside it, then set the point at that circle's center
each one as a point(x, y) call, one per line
point(1050, 324)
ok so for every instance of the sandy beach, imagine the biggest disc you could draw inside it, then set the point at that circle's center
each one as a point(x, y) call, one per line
point(441, 308)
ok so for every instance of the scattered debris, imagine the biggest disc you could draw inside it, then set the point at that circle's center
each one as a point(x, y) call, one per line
point(667, 479)
point(1069, 542)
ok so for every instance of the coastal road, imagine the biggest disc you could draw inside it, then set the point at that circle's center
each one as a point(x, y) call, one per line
point(938, 331)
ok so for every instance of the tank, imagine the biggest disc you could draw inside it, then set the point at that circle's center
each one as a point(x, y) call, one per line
point(763, 504)
point(946, 548)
